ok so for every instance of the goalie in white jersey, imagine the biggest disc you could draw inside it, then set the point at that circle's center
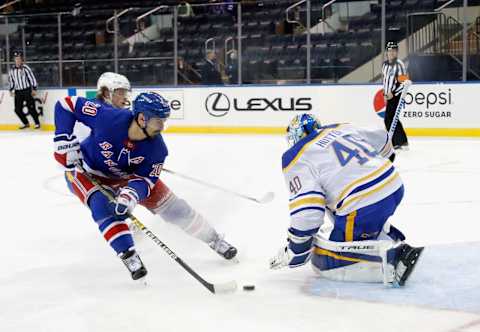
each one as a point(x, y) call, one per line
point(343, 171)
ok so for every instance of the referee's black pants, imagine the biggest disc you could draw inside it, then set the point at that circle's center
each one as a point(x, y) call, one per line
point(20, 97)
point(399, 136)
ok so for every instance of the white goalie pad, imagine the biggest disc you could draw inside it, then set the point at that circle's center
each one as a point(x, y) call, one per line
point(362, 271)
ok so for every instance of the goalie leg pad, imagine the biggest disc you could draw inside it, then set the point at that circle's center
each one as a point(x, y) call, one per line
point(365, 272)
point(362, 261)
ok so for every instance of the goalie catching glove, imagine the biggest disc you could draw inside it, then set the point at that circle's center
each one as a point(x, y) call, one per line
point(296, 253)
point(67, 151)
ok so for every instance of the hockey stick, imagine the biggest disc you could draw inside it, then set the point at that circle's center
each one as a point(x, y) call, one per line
point(214, 288)
point(266, 198)
point(400, 106)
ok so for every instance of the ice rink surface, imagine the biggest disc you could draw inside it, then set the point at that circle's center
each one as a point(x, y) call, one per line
point(58, 274)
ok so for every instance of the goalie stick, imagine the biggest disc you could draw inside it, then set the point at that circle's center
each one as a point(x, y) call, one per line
point(266, 198)
point(400, 106)
point(214, 288)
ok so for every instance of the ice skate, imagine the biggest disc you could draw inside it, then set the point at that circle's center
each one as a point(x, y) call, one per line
point(134, 264)
point(407, 260)
point(222, 247)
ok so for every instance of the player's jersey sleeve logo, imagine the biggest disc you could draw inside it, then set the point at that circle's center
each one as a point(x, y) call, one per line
point(156, 169)
point(89, 109)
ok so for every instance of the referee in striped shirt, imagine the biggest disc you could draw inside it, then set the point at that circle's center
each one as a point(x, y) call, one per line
point(23, 86)
point(394, 73)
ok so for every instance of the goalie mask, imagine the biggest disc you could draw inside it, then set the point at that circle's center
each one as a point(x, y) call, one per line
point(301, 126)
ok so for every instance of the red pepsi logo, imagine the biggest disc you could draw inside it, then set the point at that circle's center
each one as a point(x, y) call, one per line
point(379, 103)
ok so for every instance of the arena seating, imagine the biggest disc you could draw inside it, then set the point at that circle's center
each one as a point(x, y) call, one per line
point(268, 52)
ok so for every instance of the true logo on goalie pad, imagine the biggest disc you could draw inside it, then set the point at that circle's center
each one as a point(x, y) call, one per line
point(356, 247)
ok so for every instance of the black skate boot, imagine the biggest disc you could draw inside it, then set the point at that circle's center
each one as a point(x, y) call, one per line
point(134, 264)
point(407, 259)
point(222, 247)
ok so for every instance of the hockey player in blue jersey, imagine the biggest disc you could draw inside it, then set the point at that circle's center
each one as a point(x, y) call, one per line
point(114, 89)
point(343, 170)
point(125, 152)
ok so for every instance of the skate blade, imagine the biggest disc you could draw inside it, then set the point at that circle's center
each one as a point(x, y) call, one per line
point(234, 260)
point(142, 282)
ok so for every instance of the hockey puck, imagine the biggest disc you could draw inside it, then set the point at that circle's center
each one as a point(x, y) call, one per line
point(248, 287)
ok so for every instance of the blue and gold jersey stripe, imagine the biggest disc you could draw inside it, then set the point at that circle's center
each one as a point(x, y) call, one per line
point(318, 208)
point(307, 201)
point(369, 188)
point(367, 185)
point(371, 192)
point(350, 226)
point(319, 193)
point(312, 200)
point(372, 175)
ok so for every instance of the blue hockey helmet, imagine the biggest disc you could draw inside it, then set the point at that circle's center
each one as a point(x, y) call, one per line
point(301, 126)
point(152, 105)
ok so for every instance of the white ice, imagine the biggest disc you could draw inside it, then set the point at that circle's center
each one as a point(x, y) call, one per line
point(58, 274)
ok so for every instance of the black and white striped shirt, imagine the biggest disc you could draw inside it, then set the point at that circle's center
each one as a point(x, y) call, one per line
point(21, 78)
point(391, 73)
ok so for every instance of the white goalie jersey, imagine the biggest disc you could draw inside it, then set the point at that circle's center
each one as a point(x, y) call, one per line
point(340, 168)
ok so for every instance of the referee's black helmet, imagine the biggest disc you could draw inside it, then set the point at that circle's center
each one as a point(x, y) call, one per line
point(18, 53)
point(391, 45)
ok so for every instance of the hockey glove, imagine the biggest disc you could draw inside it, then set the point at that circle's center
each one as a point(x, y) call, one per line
point(67, 151)
point(282, 259)
point(297, 253)
point(126, 201)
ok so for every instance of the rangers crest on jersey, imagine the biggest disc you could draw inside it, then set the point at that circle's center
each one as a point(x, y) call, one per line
point(136, 160)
